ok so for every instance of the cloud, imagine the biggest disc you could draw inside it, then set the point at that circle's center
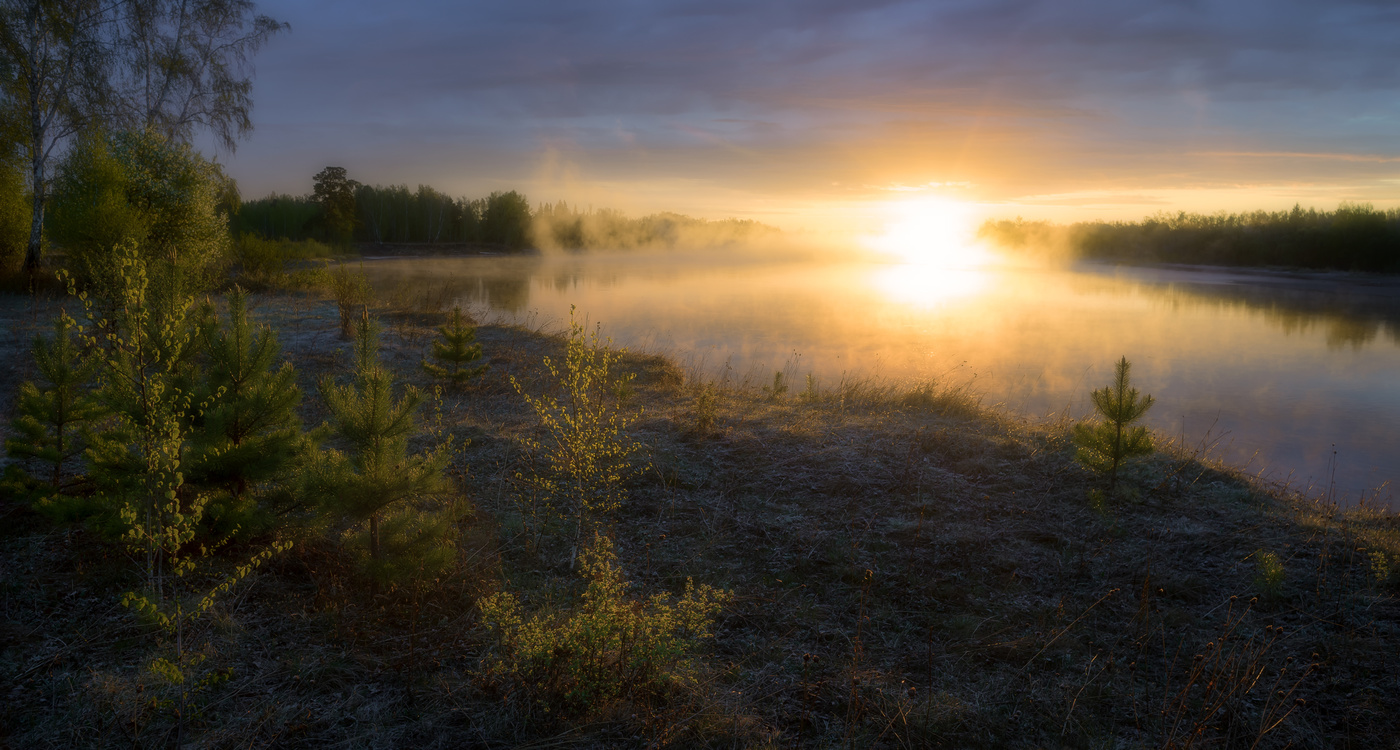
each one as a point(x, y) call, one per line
point(790, 94)
point(1367, 158)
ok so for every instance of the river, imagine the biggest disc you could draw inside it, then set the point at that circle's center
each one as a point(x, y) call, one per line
point(1295, 377)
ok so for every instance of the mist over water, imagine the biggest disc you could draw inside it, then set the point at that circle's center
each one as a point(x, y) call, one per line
point(1291, 376)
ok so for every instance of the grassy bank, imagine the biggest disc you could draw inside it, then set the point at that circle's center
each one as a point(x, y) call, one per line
point(907, 569)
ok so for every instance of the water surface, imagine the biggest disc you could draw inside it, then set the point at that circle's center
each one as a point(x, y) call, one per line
point(1294, 376)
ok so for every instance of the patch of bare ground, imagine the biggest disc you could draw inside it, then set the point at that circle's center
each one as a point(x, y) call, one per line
point(909, 569)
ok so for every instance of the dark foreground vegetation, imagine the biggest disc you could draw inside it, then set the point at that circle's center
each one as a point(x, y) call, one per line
point(1355, 237)
point(706, 562)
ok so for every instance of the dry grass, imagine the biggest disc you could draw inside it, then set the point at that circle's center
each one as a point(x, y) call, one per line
point(909, 569)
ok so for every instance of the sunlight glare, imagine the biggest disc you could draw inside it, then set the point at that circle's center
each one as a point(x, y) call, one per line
point(932, 231)
point(925, 285)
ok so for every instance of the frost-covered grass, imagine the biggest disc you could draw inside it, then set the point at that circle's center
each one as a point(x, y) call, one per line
point(907, 569)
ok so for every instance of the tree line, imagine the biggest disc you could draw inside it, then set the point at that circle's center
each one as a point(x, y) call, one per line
point(564, 227)
point(392, 214)
point(1354, 237)
point(341, 210)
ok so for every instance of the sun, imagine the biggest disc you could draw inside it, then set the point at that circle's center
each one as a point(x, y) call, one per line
point(932, 231)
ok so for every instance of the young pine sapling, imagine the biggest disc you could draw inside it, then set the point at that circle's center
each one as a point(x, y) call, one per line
point(1104, 446)
point(54, 413)
point(250, 442)
point(377, 479)
point(455, 351)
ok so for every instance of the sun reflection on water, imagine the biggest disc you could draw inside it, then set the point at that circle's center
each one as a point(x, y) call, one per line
point(928, 285)
point(933, 231)
point(1224, 350)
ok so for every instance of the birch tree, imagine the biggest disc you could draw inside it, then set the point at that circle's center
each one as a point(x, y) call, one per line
point(187, 66)
point(175, 66)
point(54, 55)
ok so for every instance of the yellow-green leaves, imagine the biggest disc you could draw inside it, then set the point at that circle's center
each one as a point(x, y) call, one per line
point(608, 646)
point(580, 467)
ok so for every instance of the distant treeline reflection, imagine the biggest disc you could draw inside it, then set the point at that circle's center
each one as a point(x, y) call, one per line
point(1349, 315)
point(1355, 237)
point(395, 214)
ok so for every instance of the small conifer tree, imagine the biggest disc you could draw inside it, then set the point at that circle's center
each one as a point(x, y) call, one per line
point(250, 442)
point(54, 413)
point(1104, 446)
point(455, 352)
point(378, 478)
point(140, 468)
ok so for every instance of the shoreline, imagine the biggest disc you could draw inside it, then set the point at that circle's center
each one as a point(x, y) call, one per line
point(940, 560)
point(373, 250)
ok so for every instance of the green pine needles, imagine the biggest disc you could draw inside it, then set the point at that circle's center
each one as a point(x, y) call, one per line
point(250, 444)
point(139, 465)
point(455, 352)
point(1104, 446)
point(55, 413)
point(376, 482)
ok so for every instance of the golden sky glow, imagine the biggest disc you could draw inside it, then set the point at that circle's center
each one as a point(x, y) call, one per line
point(929, 231)
point(817, 116)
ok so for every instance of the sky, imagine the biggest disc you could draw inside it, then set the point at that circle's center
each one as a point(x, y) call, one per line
point(821, 114)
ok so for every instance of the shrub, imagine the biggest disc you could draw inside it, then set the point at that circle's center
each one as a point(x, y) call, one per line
point(1381, 566)
point(706, 401)
point(176, 608)
point(265, 261)
point(352, 293)
point(16, 212)
point(139, 190)
point(584, 460)
point(609, 646)
point(1268, 573)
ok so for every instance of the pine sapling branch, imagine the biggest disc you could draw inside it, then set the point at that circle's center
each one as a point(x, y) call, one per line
point(454, 351)
point(1105, 445)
